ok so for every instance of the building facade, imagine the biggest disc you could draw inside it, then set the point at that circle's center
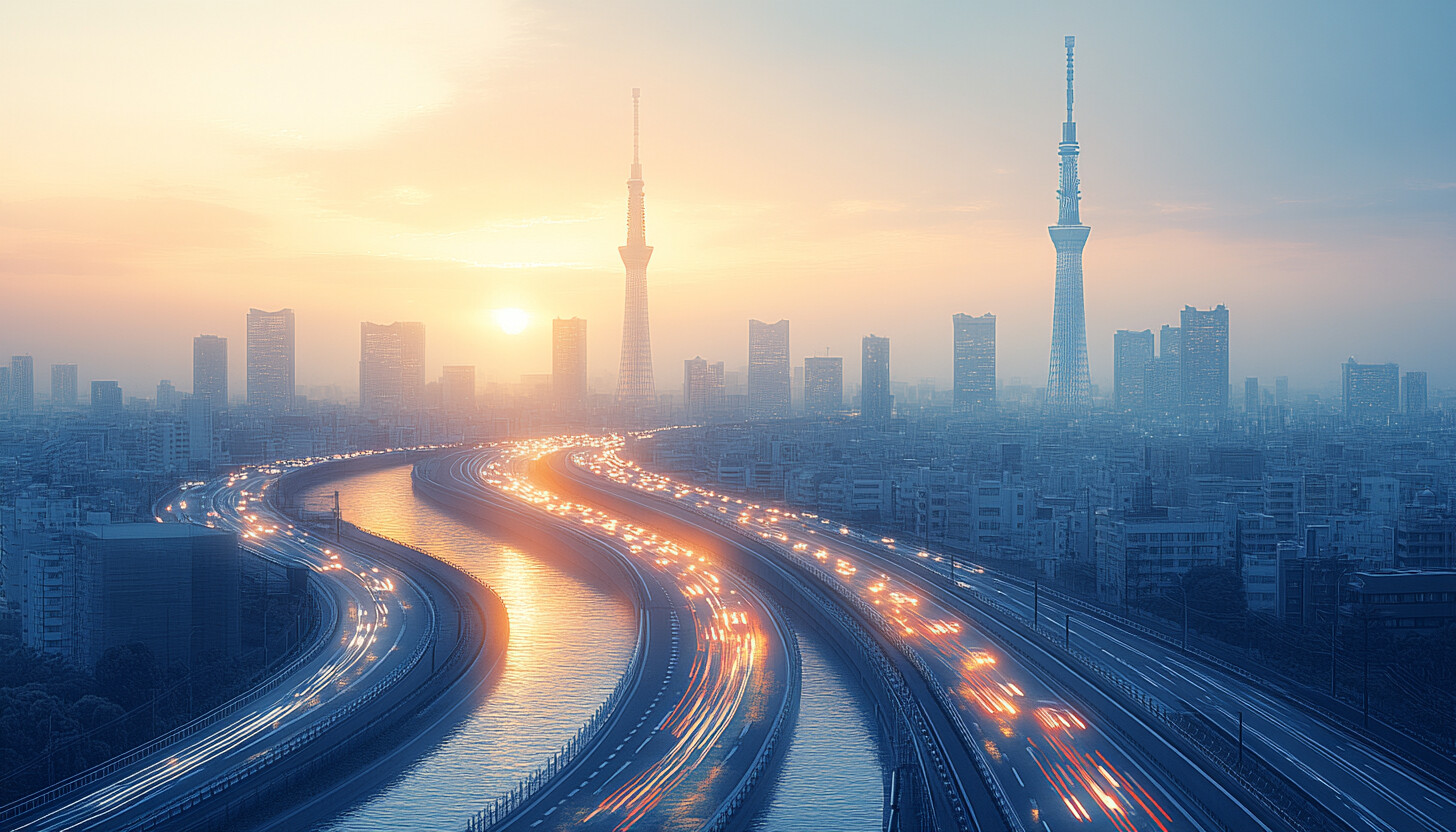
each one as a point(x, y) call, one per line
point(1370, 390)
point(391, 367)
point(1205, 359)
point(823, 385)
point(1132, 363)
point(271, 360)
point(974, 360)
point(568, 363)
point(876, 403)
point(210, 370)
point(768, 370)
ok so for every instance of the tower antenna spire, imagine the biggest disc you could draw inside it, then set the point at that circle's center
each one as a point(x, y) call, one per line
point(1070, 41)
point(637, 126)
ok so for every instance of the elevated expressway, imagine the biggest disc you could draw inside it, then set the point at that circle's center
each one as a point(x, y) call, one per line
point(709, 695)
point(388, 623)
point(1055, 751)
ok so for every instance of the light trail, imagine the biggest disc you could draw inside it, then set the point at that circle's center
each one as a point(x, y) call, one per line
point(1066, 748)
point(728, 622)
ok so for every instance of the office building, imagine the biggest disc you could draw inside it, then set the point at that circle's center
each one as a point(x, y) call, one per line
point(1413, 392)
point(1251, 395)
point(1069, 385)
point(457, 389)
point(635, 385)
point(1205, 359)
point(63, 385)
point(391, 367)
point(702, 388)
point(973, 372)
point(174, 587)
point(210, 370)
point(270, 359)
point(1132, 363)
point(823, 385)
point(168, 399)
point(1164, 385)
point(105, 398)
point(1370, 390)
point(199, 424)
point(876, 404)
point(1281, 391)
point(568, 363)
point(768, 370)
point(22, 383)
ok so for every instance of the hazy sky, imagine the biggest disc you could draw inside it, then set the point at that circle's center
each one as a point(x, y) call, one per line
point(853, 167)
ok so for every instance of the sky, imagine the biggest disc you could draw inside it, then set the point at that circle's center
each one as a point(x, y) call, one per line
point(855, 167)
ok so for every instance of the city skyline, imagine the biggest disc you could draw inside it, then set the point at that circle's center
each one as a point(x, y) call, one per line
point(1170, 233)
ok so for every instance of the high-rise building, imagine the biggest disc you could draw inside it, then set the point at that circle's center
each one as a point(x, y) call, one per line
point(457, 388)
point(22, 383)
point(635, 386)
point(1069, 385)
point(105, 398)
point(768, 370)
point(1132, 363)
point(1371, 389)
point(823, 385)
point(4, 388)
point(568, 363)
point(1205, 361)
point(973, 370)
point(876, 404)
point(1165, 377)
point(168, 399)
point(1251, 395)
point(270, 359)
point(391, 367)
point(1413, 392)
point(702, 388)
point(210, 370)
point(63, 385)
point(1281, 391)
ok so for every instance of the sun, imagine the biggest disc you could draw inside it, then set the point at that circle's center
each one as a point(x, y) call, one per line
point(511, 320)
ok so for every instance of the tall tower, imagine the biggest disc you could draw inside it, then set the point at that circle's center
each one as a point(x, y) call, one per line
point(1069, 388)
point(634, 378)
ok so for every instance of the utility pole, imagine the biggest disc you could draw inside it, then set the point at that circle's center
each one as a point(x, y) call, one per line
point(1068, 642)
point(1185, 619)
point(1035, 602)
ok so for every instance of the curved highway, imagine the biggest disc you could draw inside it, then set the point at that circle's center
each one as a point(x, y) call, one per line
point(378, 624)
point(715, 663)
point(1057, 767)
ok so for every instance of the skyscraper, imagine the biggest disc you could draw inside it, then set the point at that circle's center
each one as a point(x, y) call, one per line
point(634, 377)
point(568, 363)
point(22, 383)
point(1371, 389)
point(63, 385)
point(1251, 395)
point(876, 404)
point(270, 359)
point(702, 387)
point(1281, 391)
point(973, 371)
point(1413, 392)
point(1132, 366)
point(391, 367)
point(1205, 359)
point(1069, 386)
point(4, 388)
point(1165, 378)
point(210, 370)
point(457, 388)
point(105, 398)
point(768, 370)
point(823, 385)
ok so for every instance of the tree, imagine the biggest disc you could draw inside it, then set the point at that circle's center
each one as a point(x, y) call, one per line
point(128, 675)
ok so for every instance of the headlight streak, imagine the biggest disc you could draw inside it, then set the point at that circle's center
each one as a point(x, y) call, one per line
point(1078, 778)
point(729, 627)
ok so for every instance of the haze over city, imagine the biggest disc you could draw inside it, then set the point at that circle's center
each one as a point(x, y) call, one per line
point(852, 167)
point(1064, 439)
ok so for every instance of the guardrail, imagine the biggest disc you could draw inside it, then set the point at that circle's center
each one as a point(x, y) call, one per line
point(728, 809)
point(307, 650)
point(914, 716)
point(523, 791)
point(290, 746)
